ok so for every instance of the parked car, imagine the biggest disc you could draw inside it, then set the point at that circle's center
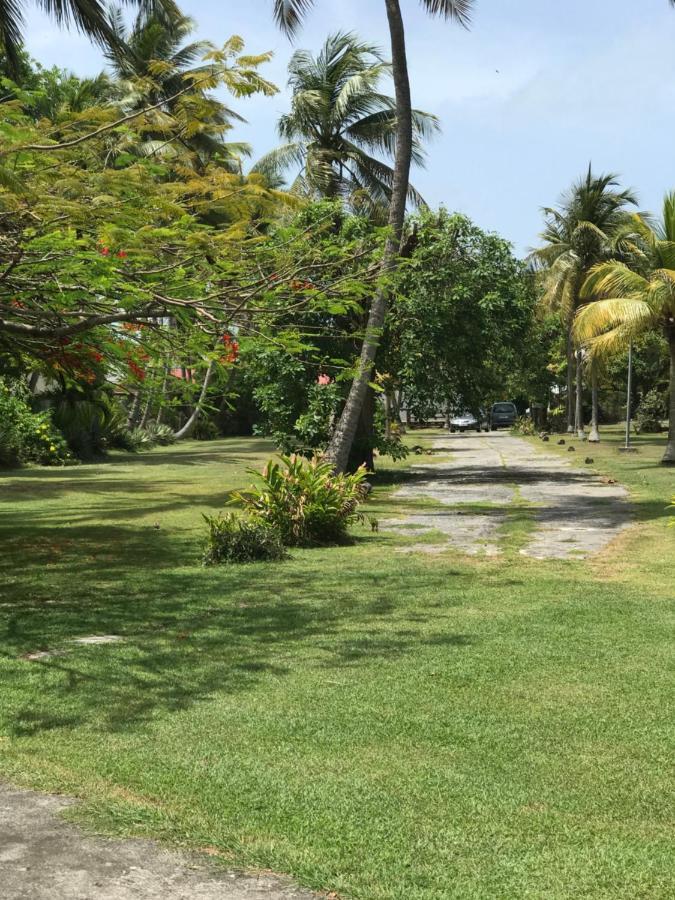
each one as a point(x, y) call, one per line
point(503, 415)
point(468, 421)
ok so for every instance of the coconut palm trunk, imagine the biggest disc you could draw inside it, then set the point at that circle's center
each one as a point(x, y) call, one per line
point(579, 407)
point(343, 435)
point(594, 436)
point(189, 426)
point(570, 381)
point(669, 455)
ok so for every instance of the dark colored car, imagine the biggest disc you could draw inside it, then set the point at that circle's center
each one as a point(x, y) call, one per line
point(503, 415)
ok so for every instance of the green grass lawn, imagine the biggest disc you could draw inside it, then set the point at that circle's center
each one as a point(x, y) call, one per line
point(378, 724)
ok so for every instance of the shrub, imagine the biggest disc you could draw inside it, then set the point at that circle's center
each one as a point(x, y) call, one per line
point(163, 435)
point(26, 436)
point(42, 443)
point(305, 501)
point(205, 430)
point(233, 540)
point(651, 412)
point(523, 425)
point(140, 439)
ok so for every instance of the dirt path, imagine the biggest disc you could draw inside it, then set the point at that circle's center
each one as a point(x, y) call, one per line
point(43, 857)
point(491, 477)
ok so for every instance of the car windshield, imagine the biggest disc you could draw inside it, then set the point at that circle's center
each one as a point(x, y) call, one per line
point(503, 407)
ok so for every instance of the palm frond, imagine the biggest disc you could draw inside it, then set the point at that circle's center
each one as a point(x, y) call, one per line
point(612, 279)
point(459, 10)
point(597, 318)
point(289, 14)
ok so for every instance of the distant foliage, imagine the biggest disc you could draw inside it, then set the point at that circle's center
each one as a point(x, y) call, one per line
point(557, 421)
point(305, 501)
point(651, 412)
point(234, 540)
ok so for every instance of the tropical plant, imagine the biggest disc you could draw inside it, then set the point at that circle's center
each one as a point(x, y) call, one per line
point(234, 540)
point(305, 500)
point(289, 14)
point(578, 234)
point(88, 16)
point(338, 120)
point(629, 301)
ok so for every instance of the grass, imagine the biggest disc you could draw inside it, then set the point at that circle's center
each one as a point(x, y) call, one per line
point(381, 725)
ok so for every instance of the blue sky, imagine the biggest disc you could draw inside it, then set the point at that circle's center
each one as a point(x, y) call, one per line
point(533, 92)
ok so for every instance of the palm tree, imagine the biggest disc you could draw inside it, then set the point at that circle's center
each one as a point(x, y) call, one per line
point(631, 300)
point(88, 16)
point(577, 235)
point(289, 14)
point(338, 118)
point(155, 60)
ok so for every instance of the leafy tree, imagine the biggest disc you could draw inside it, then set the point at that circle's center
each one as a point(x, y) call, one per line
point(464, 306)
point(338, 119)
point(631, 301)
point(289, 14)
point(577, 235)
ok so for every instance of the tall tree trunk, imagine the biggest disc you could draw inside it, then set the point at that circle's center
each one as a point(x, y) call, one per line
point(669, 455)
point(579, 406)
point(343, 435)
point(362, 452)
point(162, 396)
point(594, 436)
point(132, 418)
point(570, 381)
point(189, 426)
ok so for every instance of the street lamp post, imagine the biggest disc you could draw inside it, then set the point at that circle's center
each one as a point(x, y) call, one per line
point(627, 446)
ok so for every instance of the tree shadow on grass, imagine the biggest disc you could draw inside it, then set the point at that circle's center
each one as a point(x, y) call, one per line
point(188, 633)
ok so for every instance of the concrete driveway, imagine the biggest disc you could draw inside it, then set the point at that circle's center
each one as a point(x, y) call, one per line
point(574, 513)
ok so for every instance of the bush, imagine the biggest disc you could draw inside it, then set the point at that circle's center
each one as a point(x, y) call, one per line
point(651, 412)
point(233, 540)
point(26, 436)
point(305, 501)
point(163, 435)
point(523, 425)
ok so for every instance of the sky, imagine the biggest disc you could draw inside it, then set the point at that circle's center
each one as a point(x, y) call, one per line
point(527, 97)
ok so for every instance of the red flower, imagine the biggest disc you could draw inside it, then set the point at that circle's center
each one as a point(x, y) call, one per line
point(105, 251)
point(137, 370)
point(323, 379)
point(122, 254)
